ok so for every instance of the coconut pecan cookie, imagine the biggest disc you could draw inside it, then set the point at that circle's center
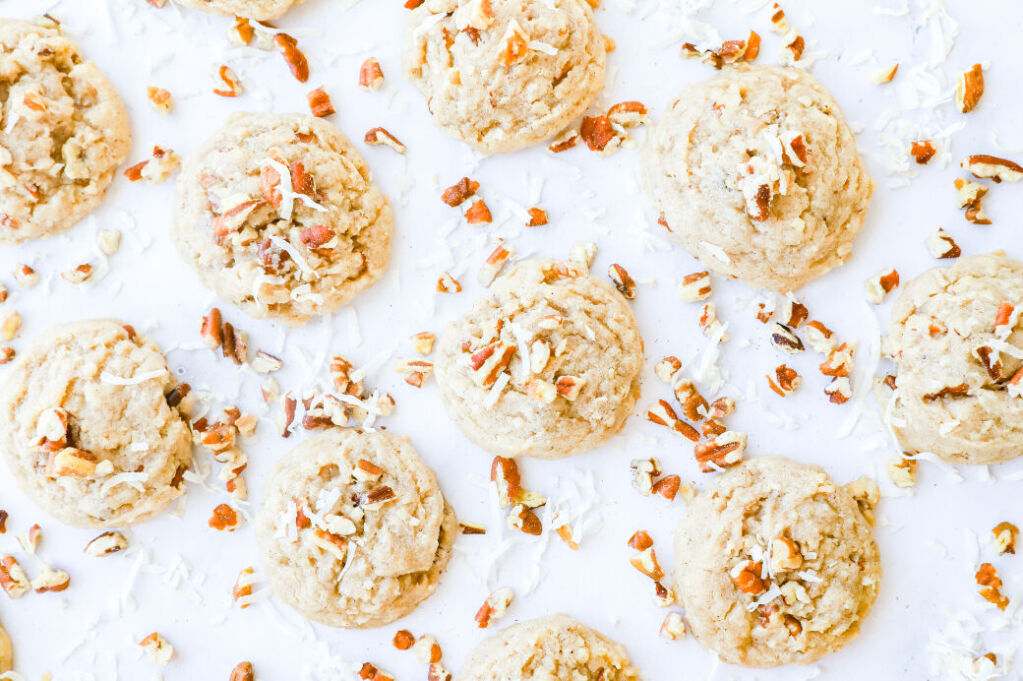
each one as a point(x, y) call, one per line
point(353, 529)
point(548, 366)
point(505, 74)
point(6, 651)
point(260, 10)
point(957, 343)
point(64, 131)
point(278, 214)
point(552, 648)
point(756, 173)
point(776, 564)
point(93, 425)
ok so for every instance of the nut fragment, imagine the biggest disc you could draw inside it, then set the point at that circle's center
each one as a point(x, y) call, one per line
point(51, 580)
point(159, 650)
point(622, 281)
point(26, 276)
point(371, 76)
point(839, 391)
point(646, 562)
point(997, 169)
point(969, 88)
point(495, 607)
point(241, 592)
point(667, 367)
point(746, 578)
point(478, 213)
point(427, 650)
point(109, 241)
point(160, 100)
point(991, 591)
point(640, 540)
point(378, 136)
point(293, 56)
point(224, 518)
point(941, 245)
point(783, 338)
point(785, 382)
point(242, 672)
point(643, 473)
point(695, 287)
point(13, 579)
point(1005, 535)
point(232, 86)
point(710, 324)
point(514, 44)
point(319, 103)
point(459, 192)
point(721, 451)
point(902, 471)
point(969, 195)
point(785, 554)
point(583, 254)
point(880, 285)
point(106, 544)
point(673, 627)
point(537, 217)
point(448, 284)
point(78, 274)
point(922, 151)
point(494, 263)
point(403, 639)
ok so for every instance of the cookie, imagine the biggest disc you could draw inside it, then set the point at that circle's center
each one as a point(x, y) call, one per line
point(353, 530)
point(775, 564)
point(548, 366)
point(549, 648)
point(278, 214)
point(260, 10)
point(957, 343)
point(94, 428)
point(6, 651)
point(502, 75)
point(756, 173)
point(64, 131)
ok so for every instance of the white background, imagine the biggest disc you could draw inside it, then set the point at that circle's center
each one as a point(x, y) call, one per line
point(185, 570)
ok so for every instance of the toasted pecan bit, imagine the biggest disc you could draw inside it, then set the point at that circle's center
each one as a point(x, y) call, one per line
point(371, 76)
point(537, 217)
point(941, 245)
point(695, 287)
point(457, 193)
point(378, 136)
point(786, 380)
point(1005, 536)
point(160, 100)
point(922, 151)
point(242, 672)
point(622, 280)
point(478, 213)
point(319, 103)
point(640, 540)
point(597, 132)
point(993, 167)
point(224, 518)
point(297, 62)
point(232, 86)
point(969, 88)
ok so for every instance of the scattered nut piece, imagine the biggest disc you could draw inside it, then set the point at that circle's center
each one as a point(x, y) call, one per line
point(646, 562)
point(922, 151)
point(997, 169)
point(537, 217)
point(297, 63)
point(1005, 535)
point(721, 451)
point(783, 338)
point(448, 284)
point(710, 324)
point(26, 276)
point(969, 195)
point(224, 518)
point(941, 245)
point(319, 103)
point(622, 281)
point(241, 592)
point(403, 639)
point(51, 580)
point(494, 263)
point(13, 579)
point(459, 192)
point(371, 76)
point(159, 650)
point(902, 471)
point(160, 100)
point(695, 287)
point(673, 627)
point(495, 607)
point(243, 672)
point(478, 213)
point(666, 368)
point(785, 382)
point(232, 86)
point(378, 136)
point(109, 241)
point(969, 88)
point(991, 586)
point(880, 285)
point(78, 274)
point(106, 544)
point(427, 650)
point(839, 391)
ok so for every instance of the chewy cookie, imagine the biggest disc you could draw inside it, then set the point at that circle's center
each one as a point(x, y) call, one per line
point(548, 366)
point(502, 75)
point(260, 10)
point(353, 530)
point(776, 564)
point(553, 648)
point(94, 428)
point(756, 173)
point(64, 131)
point(957, 343)
point(6, 651)
point(278, 214)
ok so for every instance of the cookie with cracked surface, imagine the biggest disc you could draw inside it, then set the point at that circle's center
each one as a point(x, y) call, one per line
point(353, 529)
point(94, 428)
point(547, 367)
point(64, 131)
point(502, 75)
point(776, 564)
point(279, 215)
point(549, 648)
point(260, 10)
point(756, 173)
point(957, 342)
point(6, 651)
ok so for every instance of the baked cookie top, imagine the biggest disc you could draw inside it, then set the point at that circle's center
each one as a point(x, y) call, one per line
point(775, 564)
point(548, 366)
point(64, 131)
point(756, 173)
point(93, 425)
point(6, 651)
point(957, 343)
point(260, 10)
point(278, 214)
point(553, 648)
point(502, 75)
point(353, 530)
